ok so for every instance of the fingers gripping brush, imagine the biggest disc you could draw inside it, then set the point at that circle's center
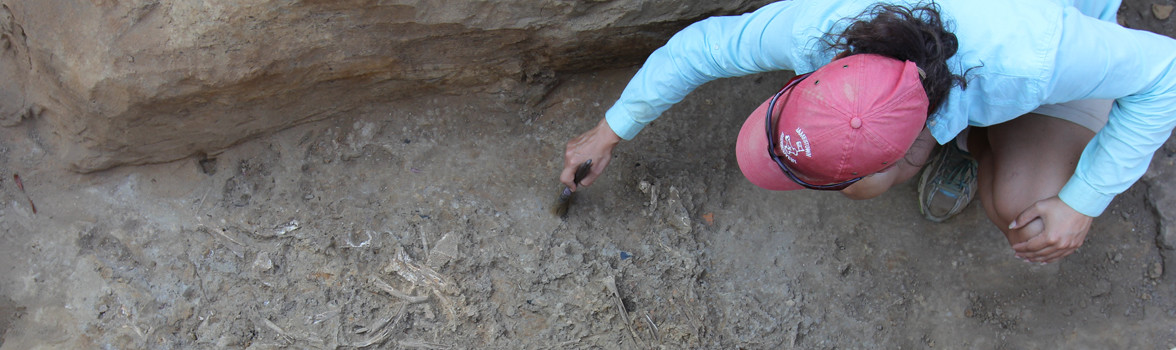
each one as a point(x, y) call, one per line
point(565, 197)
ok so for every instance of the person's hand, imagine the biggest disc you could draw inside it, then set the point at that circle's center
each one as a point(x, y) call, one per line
point(1063, 232)
point(596, 144)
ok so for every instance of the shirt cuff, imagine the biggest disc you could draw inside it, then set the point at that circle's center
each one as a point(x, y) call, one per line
point(1078, 194)
point(622, 124)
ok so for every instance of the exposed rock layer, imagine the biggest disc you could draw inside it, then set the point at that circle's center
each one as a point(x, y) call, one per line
point(141, 81)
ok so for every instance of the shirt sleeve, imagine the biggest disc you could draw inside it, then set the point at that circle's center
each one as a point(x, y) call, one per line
point(1097, 59)
point(1105, 10)
point(717, 47)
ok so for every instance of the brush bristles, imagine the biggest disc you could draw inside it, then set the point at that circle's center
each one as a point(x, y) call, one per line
point(562, 204)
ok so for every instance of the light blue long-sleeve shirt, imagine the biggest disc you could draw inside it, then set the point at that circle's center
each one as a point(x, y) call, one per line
point(1021, 54)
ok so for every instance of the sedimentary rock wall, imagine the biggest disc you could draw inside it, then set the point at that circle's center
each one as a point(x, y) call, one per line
point(138, 81)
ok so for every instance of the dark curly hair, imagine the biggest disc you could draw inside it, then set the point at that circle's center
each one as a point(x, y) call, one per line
point(915, 34)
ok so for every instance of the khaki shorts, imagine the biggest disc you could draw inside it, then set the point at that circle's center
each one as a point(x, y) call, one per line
point(1091, 114)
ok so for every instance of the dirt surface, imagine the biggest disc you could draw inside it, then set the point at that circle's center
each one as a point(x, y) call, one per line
point(426, 224)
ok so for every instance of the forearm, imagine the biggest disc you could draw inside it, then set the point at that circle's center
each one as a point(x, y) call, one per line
point(1138, 70)
point(714, 48)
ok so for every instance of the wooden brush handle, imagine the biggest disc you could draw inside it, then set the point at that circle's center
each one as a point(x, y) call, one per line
point(582, 171)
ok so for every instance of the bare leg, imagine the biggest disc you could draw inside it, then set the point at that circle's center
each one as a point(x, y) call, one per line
point(1023, 161)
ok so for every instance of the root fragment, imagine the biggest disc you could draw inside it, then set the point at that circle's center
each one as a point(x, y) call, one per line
point(611, 283)
point(385, 330)
point(387, 288)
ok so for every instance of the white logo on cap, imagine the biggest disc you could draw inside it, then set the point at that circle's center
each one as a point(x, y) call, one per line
point(790, 149)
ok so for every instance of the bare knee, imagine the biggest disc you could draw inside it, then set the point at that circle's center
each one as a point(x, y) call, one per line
point(865, 189)
point(1003, 212)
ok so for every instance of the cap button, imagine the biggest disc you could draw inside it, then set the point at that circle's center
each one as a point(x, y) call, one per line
point(855, 123)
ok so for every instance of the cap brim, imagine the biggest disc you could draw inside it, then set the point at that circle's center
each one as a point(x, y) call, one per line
point(751, 150)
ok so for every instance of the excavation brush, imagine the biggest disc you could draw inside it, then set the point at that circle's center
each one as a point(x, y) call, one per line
point(565, 197)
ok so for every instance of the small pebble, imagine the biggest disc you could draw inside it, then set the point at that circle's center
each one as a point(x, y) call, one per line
point(263, 263)
point(1156, 271)
point(1162, 12)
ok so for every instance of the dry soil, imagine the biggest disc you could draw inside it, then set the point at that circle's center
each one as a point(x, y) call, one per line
point(426, 224)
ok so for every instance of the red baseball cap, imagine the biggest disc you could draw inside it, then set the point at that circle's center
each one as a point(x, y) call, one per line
point(851, 118)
